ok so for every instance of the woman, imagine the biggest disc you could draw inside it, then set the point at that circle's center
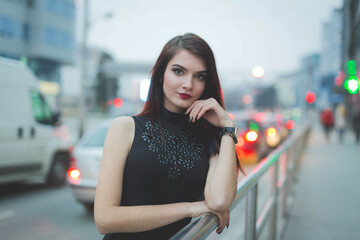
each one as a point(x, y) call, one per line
point(168, 164)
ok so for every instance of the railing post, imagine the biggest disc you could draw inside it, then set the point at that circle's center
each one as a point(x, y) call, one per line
point(251, 204)
point(274, 192)
point(284, 172)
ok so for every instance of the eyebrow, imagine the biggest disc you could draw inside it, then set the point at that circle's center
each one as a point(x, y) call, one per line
point(183, 68)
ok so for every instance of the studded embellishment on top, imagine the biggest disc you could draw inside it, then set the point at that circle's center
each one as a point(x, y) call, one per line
point(177, 152)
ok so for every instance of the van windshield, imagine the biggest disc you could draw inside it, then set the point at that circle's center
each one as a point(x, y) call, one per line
point(96, 138)
point(41, 110)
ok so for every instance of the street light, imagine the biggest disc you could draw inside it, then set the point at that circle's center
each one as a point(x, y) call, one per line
point(258, 72)
point(84, 52)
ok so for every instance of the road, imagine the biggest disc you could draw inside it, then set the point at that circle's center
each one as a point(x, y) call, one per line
point(37, 212)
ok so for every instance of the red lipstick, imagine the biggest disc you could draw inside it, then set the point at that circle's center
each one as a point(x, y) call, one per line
point(185, 95)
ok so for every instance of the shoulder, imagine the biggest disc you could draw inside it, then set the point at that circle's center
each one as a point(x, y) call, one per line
point(122, 128)
point(124, 124)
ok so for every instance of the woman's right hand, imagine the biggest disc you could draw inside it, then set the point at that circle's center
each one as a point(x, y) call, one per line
point(198, 208)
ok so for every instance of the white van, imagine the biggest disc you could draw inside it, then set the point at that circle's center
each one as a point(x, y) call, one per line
point(30, 146)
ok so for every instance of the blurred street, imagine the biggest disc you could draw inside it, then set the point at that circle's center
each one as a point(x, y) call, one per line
point(327, 193)
point(37, 212)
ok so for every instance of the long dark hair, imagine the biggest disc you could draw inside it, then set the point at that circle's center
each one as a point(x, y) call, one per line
point(196, 46)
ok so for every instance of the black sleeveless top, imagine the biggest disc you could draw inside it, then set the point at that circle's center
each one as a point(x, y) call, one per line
point(167, 163)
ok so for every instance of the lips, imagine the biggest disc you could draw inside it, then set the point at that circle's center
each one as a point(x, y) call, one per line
point(185, 95)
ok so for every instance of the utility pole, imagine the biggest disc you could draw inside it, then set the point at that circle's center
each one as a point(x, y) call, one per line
point(83, 80)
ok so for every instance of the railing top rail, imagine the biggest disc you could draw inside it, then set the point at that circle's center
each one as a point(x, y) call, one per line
point(201, 227)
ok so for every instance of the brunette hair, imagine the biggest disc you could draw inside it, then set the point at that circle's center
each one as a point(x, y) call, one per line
point(196, 46)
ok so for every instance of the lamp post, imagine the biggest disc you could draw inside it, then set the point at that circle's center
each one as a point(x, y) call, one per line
point(82, 104)
point(84, 57)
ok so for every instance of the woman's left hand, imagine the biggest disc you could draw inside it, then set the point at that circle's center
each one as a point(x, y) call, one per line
point(211, 111)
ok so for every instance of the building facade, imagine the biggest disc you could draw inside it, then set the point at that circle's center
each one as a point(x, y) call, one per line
point(351, 51)
point(40, 32)
point(330, 62)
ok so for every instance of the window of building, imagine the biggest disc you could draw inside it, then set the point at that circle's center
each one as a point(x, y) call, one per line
point(58, 38)
point(10, 28)
point(61, 7)
point(16, 1)
point(26, 32)
point(5, 26)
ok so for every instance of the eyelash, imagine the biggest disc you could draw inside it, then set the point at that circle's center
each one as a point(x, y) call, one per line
point(178, 71)
point(201, 77)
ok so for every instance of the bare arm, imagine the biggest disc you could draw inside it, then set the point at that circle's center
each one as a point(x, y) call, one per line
point(221, 181)
point(109, 216)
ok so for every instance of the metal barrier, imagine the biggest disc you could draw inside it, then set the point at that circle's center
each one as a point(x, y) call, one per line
point(281, 180)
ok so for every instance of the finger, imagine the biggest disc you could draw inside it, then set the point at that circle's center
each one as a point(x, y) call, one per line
point(203, 111)
point(192, 106)
point(200, 109)
point(222, 221)
point(195, 111)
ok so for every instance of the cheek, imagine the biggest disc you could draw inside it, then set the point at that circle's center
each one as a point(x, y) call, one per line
point(169, 81)
point(201, 88)
point(167, 84)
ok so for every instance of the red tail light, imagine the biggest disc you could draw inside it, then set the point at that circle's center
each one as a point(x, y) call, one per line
point(290, 124)
point(74, 173)
point(271, 132)
point(251, 136)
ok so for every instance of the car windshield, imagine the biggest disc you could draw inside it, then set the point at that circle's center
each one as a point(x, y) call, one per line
point(96, 138)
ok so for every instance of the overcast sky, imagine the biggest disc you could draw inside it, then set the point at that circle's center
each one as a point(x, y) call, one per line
point(242, 33)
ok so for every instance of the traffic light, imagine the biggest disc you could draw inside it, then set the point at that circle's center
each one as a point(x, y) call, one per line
point(352, 83)
point(310, 97)
point(339, 78)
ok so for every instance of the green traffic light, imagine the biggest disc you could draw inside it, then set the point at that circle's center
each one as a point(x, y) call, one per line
point(254, 126)
point(351, 67)
point(352, 84)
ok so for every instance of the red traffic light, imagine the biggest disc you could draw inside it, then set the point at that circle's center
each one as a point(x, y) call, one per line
point(310, 97)
point(290, 124)
point(118, 102)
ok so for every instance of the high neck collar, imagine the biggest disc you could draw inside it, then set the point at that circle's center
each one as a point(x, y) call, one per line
point(172, 117)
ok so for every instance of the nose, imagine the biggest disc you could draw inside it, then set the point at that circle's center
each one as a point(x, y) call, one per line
point(188, 82)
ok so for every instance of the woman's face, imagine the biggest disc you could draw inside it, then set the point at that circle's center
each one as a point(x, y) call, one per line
point(184, 81)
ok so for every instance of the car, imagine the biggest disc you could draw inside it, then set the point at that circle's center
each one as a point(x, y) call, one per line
point(85, 164)
point(251, 144)
point(34, 144)
point(259, 134)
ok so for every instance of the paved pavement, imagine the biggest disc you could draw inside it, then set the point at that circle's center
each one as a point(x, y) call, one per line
point(327, 193)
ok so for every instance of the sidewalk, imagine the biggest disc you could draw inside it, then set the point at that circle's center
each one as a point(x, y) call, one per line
point(327, 192)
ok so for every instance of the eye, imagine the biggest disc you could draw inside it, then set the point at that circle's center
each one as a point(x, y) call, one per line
point(201, 76)
point(177, 71)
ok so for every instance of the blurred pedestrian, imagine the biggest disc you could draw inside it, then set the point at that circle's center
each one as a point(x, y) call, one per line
point(176, 159)
point(356, 126)
point(327, 121)
point(340, 114)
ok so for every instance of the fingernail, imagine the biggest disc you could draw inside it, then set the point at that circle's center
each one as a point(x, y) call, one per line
point(191, 119)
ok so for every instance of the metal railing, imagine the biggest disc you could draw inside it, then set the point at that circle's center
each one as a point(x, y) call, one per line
point(282, 164)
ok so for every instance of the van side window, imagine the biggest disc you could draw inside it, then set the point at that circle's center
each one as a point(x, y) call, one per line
point(41, 110)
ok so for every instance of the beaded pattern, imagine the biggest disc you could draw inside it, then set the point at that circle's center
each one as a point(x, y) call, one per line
point(178, 152)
